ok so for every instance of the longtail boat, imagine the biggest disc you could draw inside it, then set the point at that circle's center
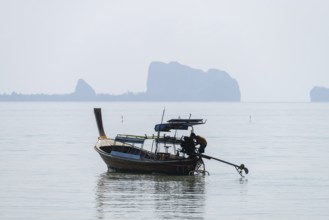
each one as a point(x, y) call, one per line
point(156, 154)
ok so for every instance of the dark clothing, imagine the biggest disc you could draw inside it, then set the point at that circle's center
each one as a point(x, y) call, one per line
point(188, 145)
point(202, 142)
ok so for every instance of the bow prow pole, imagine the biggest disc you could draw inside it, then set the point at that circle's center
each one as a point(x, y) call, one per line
point(99, 121)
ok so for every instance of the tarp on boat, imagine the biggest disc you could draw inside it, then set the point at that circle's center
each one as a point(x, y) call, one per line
point(178, 124)
point(170, 126)
point(186, 121)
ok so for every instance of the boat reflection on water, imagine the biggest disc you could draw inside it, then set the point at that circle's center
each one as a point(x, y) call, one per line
point(127, 196)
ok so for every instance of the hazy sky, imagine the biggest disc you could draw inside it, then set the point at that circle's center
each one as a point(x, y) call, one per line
point(277, 50)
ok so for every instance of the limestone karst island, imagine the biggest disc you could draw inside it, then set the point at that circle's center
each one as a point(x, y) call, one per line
point(165, 82)
point(319, 94)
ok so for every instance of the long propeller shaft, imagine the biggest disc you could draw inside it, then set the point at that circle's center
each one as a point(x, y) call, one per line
point(238, 168)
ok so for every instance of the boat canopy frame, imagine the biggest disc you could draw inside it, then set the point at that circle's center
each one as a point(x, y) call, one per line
point(133, 139)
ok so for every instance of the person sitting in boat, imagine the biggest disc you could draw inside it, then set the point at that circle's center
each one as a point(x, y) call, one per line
point(188, 145)
point(201, 141)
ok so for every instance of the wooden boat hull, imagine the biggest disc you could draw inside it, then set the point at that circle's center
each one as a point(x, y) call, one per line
point(142, 165)
point(126, 153)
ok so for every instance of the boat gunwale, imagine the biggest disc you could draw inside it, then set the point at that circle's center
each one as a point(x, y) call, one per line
point(143, 160)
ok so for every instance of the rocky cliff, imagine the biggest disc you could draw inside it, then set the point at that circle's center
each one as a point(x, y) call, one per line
point(176, 82)
point(319, 94)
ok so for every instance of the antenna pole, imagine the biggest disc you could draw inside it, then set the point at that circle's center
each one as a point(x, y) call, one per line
point(157, 144)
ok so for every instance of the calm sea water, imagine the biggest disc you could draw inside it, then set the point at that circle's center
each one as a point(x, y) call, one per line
point(49, 169)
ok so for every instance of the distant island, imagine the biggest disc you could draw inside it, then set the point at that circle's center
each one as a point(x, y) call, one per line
point(165, 82)
point(319, 94)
